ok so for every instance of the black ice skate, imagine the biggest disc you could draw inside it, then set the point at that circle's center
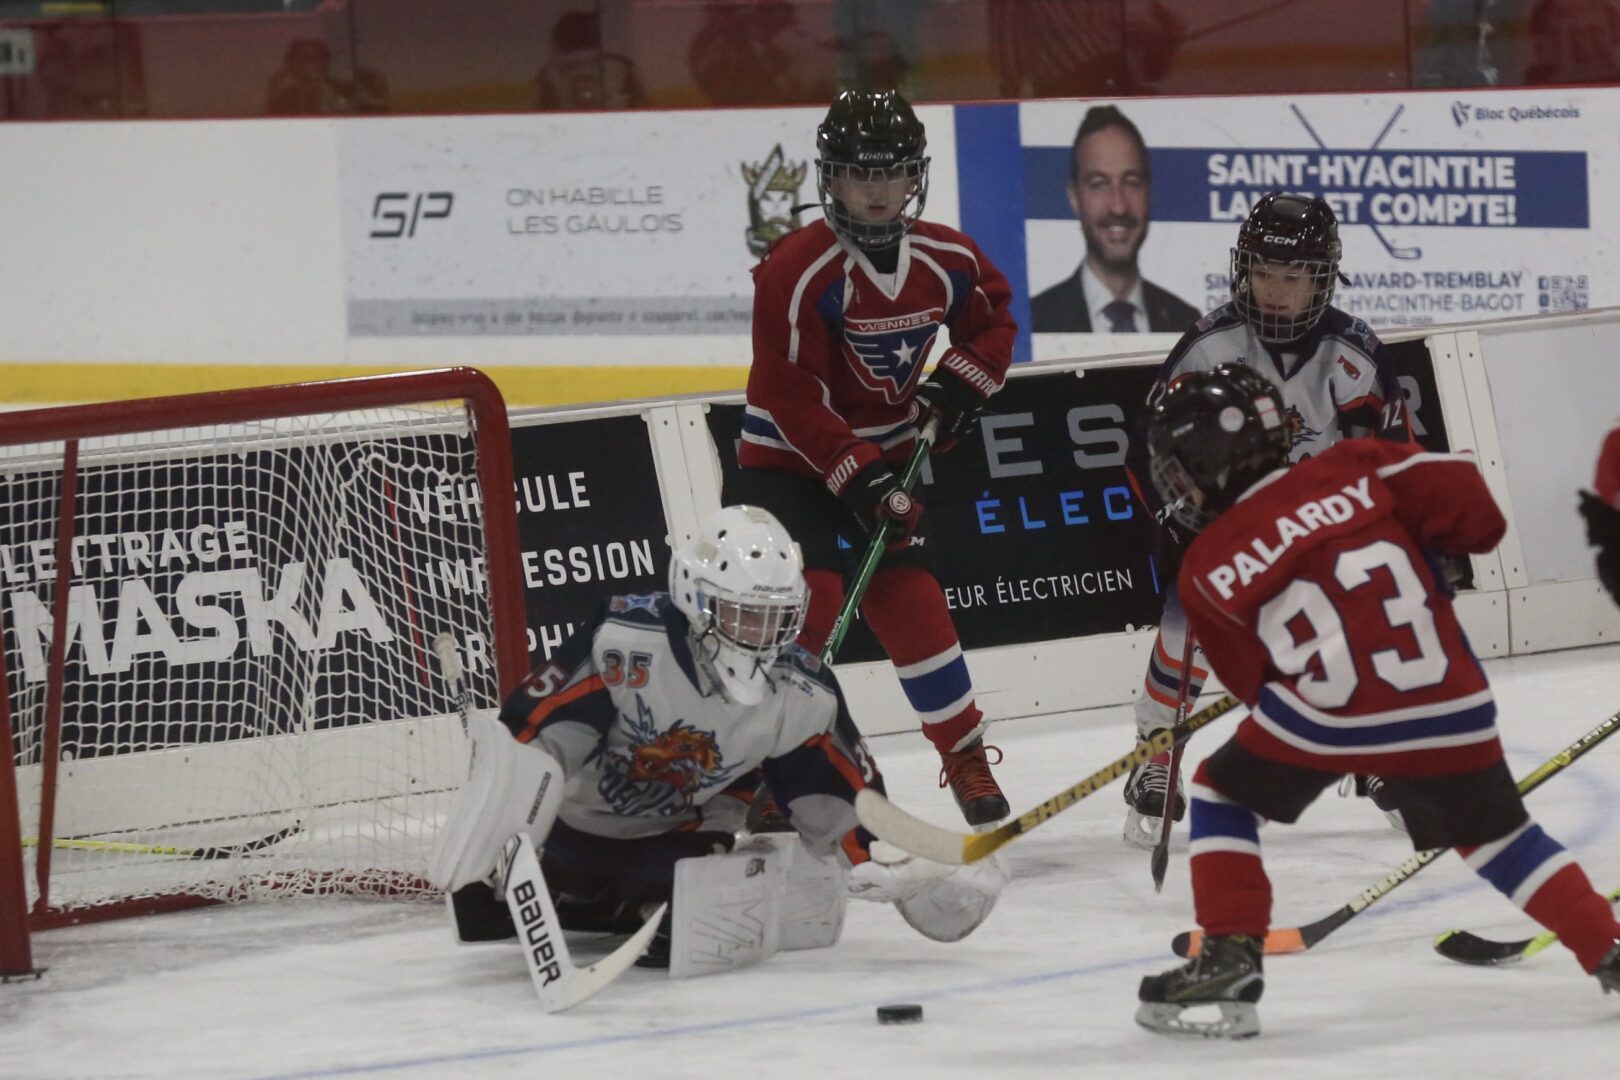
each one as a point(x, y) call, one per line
point(657, 954)
point(978, 796)
point(1608, 972)
point(1145, 789)
point(1226, 975)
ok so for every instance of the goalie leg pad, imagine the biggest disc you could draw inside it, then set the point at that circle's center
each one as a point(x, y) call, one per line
point(509, 788)
point(727, 911)
point(952, 907)
point(814, 897)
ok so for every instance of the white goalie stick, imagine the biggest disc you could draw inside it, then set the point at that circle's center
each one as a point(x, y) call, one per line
point(558, 983)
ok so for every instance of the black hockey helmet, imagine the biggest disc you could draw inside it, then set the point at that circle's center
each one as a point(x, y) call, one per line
point(1298, 236)
point(1212, 435)
point(866, 137)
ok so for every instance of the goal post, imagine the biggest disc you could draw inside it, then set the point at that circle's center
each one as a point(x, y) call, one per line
point(217, 613)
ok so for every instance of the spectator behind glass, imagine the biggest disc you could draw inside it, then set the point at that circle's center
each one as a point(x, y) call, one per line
point(304, 86)
point(1574, 41)
point(877, 43)
point(1068, 48)
point(751, 54)
point(582, 76)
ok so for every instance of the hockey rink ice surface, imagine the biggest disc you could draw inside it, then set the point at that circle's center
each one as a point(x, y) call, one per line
point(1046, 987)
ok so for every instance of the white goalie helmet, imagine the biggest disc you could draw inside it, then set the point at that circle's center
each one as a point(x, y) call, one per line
point(740, 584)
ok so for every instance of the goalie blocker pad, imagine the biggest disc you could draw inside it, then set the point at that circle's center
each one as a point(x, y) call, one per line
point(510, 788)
point(734, 910)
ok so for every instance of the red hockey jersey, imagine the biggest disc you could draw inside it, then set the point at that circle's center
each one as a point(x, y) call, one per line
point(839, 347)
point(1316, 606)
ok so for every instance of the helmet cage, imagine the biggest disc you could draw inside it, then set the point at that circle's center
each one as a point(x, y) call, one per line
point(1278, 327)
point(873, 235)
point(740, 585)
point(760, 625)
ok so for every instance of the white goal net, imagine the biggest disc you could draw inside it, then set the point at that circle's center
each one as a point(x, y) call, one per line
point(243, 699)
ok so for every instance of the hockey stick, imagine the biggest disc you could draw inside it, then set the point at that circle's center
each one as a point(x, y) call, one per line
point(912, 834)
point(1299, 938)
point(119, 847)
point(557, 982)
point(875, 546)
point(1468, 948)
point(448, 651)
point(1167, 821)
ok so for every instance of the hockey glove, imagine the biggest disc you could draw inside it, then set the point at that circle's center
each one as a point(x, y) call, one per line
point(1603, 533)
point(875, 494)
point(945, 395)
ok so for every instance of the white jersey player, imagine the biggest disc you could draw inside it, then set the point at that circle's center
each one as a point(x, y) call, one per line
point(639, 744)
point(1336, 381)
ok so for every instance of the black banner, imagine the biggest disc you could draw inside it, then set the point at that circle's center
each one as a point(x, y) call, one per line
point(1039, 536)
point(590, 520)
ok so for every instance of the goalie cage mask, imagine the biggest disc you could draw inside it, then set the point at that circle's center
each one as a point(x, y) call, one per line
point(740, 584)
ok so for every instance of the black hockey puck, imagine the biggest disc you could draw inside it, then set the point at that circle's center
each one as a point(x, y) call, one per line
point(899, 1014)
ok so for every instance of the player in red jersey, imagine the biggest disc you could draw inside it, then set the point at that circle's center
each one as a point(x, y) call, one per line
point(845, 311)
point(1313, 591)
point(1602, 513)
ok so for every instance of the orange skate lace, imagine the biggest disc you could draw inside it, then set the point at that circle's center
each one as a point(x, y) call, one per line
point(967, 772)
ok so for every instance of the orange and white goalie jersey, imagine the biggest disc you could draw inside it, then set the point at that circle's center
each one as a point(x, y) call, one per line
point(646, 739)
point(1314, 600)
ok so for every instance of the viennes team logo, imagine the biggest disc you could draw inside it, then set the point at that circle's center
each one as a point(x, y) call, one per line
point(773, 192)
point(886, 353)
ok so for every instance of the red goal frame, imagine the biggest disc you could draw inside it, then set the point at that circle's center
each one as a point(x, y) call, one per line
point(68, 425)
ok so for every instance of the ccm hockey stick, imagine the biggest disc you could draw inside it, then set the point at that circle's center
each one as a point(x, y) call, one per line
point(912, 834)
point(1300, 938)
point(1468, 948)
point(875, 547)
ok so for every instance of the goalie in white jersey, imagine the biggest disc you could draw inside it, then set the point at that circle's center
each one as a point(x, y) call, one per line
point(641, 741)
point(1336, 381)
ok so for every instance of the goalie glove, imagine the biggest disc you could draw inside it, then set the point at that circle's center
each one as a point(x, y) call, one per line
point(943, 903)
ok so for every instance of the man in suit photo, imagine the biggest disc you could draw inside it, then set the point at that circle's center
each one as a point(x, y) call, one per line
point(1110, 188)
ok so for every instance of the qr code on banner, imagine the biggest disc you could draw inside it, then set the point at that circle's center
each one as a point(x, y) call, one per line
point(1562, 292)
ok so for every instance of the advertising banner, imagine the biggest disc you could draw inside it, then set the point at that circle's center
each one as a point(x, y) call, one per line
point(590, 521)
point(1452, 207)
point(610, 224)
point(1036, 531)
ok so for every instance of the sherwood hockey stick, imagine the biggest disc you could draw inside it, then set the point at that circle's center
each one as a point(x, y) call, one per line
point(119, 847)
point(1468, 948)
point(890, 823)
point(1299, 938)
point(1167, 822)
point(875, 546)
